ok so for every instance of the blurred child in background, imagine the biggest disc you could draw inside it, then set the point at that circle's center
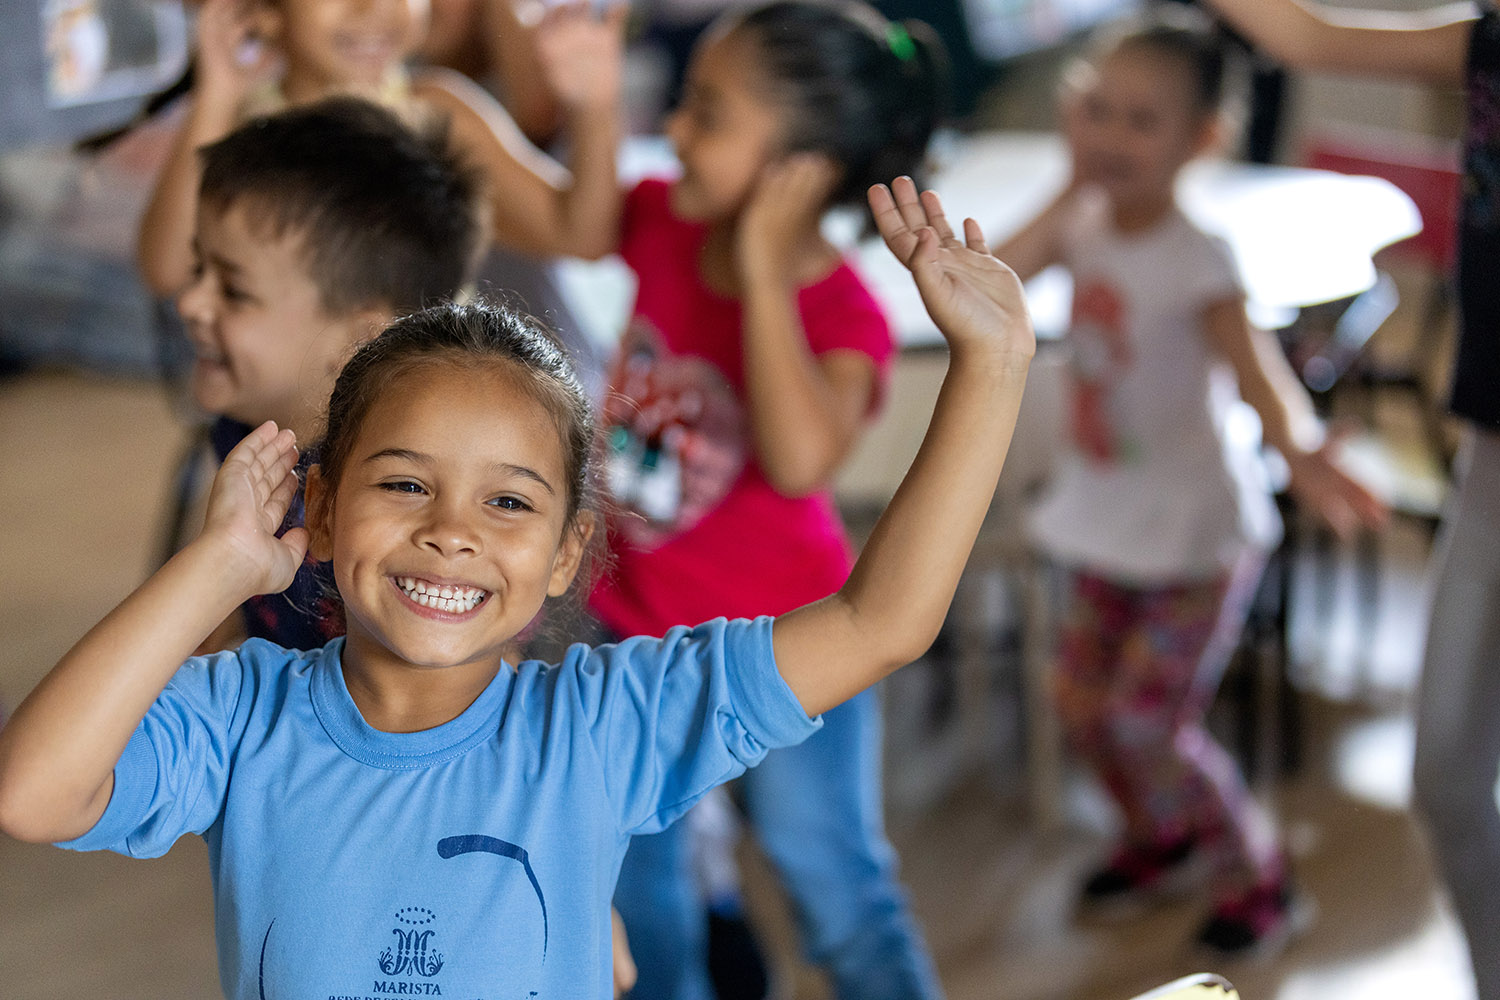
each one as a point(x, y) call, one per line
point(256, 56)
point(753, 360)
point(1160, 517)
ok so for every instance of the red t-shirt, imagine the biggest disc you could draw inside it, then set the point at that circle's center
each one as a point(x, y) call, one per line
point(702, 533)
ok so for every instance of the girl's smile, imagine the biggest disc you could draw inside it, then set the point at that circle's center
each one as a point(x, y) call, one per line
point(336, 44)
point(441, 599)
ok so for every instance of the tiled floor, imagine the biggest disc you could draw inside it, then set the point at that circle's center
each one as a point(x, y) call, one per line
point(86, 463)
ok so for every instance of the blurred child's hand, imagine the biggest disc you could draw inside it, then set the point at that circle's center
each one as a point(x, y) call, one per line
point(232, 55)
point(1341, 501)
point(787, 202)
point(975, 300)
point(250, 496)
point(582, 53)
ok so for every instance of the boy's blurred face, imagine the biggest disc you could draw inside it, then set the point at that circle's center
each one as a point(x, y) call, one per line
point(265, 348)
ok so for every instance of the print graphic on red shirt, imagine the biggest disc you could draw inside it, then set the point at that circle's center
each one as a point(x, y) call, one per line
point(676, 434)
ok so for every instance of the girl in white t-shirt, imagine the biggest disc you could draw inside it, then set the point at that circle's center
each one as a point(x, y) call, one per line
point(1159, 516)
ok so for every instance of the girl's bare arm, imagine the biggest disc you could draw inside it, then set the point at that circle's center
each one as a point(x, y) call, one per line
point(1428, 46)
point(895, 600)
point(537, 206)
point(805, 410)
point(164, 241)
point(58, 752)
point(1288, 424)
point(1037, 245)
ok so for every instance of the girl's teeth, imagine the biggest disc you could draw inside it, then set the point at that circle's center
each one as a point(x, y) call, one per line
point(454, 600)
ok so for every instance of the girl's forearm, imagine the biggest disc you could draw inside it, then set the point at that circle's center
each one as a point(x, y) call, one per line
point(589, 207)
point(58, 751)
point(164, 244)
point(894, 602)
point(801, 426)
point(1288, 421)
point(1424, 46)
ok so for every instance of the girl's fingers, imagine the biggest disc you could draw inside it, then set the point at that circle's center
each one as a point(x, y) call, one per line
point(974, 237)
point(908, 203)
point(893, 228)
point(932, 208)
point(280, 500)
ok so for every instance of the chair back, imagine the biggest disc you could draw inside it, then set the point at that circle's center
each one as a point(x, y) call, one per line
point(1427, 172)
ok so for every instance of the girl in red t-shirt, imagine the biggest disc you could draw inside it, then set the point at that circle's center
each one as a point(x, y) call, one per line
point(753, 360)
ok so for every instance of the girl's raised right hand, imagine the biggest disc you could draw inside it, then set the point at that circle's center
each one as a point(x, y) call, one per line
point(232, 54)
point(250, 496)
point(974, 298)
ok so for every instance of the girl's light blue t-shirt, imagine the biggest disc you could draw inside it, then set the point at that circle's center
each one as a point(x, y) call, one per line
point(475, 860)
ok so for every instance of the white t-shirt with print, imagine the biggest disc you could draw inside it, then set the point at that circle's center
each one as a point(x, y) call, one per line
point(1179, 496)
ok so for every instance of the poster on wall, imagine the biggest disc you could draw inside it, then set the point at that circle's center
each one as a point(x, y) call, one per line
point(105, 50)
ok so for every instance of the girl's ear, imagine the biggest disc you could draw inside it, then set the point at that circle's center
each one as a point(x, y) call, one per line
point(575, 542)
point(318, 504)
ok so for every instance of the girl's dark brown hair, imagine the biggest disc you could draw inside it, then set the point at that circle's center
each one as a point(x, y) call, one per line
point(864, 91)
point(471, 337)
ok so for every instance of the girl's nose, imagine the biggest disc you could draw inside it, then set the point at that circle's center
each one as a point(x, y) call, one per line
point(447, 532)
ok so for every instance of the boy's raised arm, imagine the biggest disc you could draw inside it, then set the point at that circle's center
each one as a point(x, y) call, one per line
point(894, 602)
point(58, 752)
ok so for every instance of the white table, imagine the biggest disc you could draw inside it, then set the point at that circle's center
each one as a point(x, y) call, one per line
point(1301, 236)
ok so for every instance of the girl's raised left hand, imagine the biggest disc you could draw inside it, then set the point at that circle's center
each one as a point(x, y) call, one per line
point(582, 53)
point(250, 496)
point(975, 300)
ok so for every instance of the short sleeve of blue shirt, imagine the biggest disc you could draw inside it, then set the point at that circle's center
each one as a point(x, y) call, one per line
point(672, 717)
point(171, 778)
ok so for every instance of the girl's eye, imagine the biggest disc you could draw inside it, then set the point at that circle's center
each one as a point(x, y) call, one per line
point(509, 503)
point(405, 486)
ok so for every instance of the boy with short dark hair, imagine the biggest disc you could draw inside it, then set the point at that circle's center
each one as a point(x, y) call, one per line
point(315, 228)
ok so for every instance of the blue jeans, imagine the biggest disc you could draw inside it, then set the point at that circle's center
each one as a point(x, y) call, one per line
point(816, 810)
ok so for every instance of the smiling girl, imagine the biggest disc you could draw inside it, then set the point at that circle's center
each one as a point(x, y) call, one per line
point(402, 806)
point(259, 56)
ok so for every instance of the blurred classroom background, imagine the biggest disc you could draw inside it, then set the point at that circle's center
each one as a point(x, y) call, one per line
point(994, 827)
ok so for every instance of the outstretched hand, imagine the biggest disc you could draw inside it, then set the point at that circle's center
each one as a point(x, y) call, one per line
point(582, 53)
point(1321, 485)
point(250, 496)
point(975, 300)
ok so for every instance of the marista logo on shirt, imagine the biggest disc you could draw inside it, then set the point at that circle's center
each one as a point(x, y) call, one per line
point(410, 962)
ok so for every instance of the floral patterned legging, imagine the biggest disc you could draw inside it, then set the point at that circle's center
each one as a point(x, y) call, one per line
point(1137, 668)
